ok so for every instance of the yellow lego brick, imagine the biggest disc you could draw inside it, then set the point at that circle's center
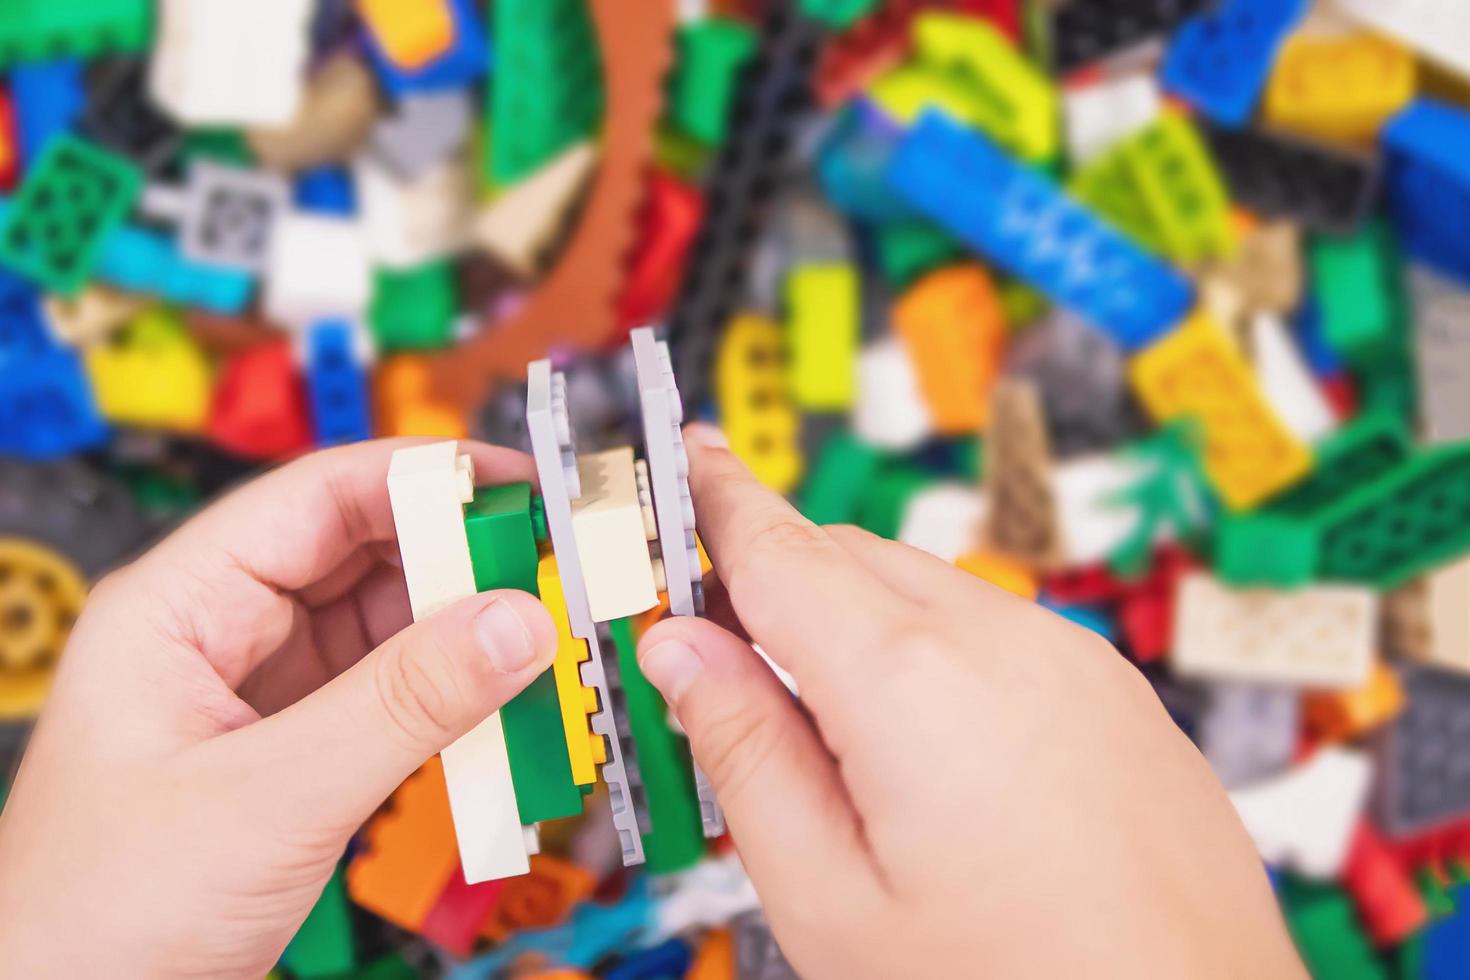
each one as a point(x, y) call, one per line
point(584, 749)
point(152, 374)
point(906, 91)
point(1197, 371)
point(1339, 87)
point(410, 34)
point(1001, 570)
point(823, 327)
point(755, 406)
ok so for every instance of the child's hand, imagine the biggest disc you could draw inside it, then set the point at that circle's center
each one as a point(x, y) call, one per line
point(981, 786)
point(229, 710)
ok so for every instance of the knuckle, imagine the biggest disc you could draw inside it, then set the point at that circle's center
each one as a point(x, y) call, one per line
point(418, 705)
point(769, 546)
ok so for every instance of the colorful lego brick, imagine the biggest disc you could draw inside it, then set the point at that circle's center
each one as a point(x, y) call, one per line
point(834, 485)
point(541, 899)
point(407, 854)
point(1428, 620)
point(613, 523)
point(409, 36)
point(1359, 297)
point(1305, 818)
point(1093, 517)
point(1428, 189)
point(10, 141)
point(120, 117)
point(1337, 716)
point(711, 53)
point(547, 94)
point(258, 410)
point(428, 487)
point(455, 919)
point(908, 249)
point(754, 400)
point(1440, 308)
point(1023, 223)
point(1319, 186)
point(46, 406)
point(519, 225)
point(72, 199)
point(461, 60)
point(1180, 188)
point(1198, 371)
point(1101, 113)
point(891, 412)
point(944, 519)
point(1022, 517)
point(152, 374)
point(886, 500)
point(229, 215)
point(31, 30)
point(49, 96)
point(954, 329)
point(336, 384)
point(413, 309)
point(1218, 60)
point(822, 330)
point(1265, 272)
point(1086, 31)
point(1433, 27)
point(1325, 926)
point(422, 130)
point(1286, 382)
point(1387, 899)
point(1341, 87)
point(324, 945)
point(671, 212)
point(1420, 785)
point(585, 750)
point(411, 222)
point(1248, 732)
point(91, 316)
point(331, 121)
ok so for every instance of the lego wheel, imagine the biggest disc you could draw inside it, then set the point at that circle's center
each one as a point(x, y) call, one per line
point(41, 594)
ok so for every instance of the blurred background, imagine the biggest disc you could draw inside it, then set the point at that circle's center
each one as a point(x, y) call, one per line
point(1156, 312)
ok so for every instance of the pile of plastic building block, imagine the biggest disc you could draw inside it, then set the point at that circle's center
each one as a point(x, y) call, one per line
point(1150, 311)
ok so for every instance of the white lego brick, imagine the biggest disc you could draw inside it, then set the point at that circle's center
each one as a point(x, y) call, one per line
point(707, 895)
point(1304, 819)
point(1439, 29)
point(319, 267)
point(1318, 636)
point(1286, 381)
point(890, 412)
point(1102, 113)
point(428, 487)
point(612, 538)
point(943, 520)
point(227, 63)
point(408, 223)
point(517, 226)
point(1092, 519)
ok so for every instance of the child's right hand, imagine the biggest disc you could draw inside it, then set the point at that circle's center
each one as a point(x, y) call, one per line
point(968, 783)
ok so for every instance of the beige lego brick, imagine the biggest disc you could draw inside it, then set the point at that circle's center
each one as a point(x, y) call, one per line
point(1319, 636)
point(1428, 620)
point(428, 487)
point(1022, 521)
point(518, 226)
point(612, 531)
point(90, 316)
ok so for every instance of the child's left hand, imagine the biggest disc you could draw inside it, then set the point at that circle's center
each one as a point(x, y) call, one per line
point(230, 708)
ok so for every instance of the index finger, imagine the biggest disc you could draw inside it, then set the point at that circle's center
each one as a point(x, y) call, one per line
point(809, 604)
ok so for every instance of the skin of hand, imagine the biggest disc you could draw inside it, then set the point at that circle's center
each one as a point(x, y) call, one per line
point(969, 784)
point(229, 709)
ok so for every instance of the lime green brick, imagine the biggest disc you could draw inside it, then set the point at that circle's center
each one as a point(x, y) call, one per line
point(675, 839)
point(35, 30)
point(414, 309)
point(1181, 189)
point(710, 55)
point(1107, 186)
point(324, 946)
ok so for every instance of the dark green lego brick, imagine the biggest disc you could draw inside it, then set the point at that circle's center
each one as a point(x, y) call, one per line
point(888, 496)
point(908, 249)
point(219, 146)
point(1358, 453)
point(675, 840)
point(390, 967)
point(36, 30)
point(711, 54)
point(836, 483)
point(75, 195)
point(1324, 924)
point(546, 92)
point(413, 309)
point(323, 946)
point(1358, 290)
point(502, 535)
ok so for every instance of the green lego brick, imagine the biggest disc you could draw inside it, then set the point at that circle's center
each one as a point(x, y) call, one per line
point(35, 30)
point(72, 199)
point(390, 967)
point(1107, 186)
point(219, 146)
point(1372, 445)
point(1265, 549)
point(887, 498)
point(679, 153)
point(908, 249)
point(1325, 926)
point(711, 53)
point(502, 540)
point(837, 13)
point(1023, 304)
point(323, 946)
point(502, 534)
point(546, 92)
point(836, 483)
point(1359, 294)
point(675, 839)
point(413, 309)
point(1180, 188)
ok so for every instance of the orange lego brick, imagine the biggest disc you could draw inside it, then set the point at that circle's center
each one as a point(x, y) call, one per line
point(409, 852)
point(1197, 371)
point(539, 900)
point(1002, 571)
point(715, 959)
point(954, 327)
point(404, 404)
point(1340, 87)
point(409, 34)
point(1337, 716)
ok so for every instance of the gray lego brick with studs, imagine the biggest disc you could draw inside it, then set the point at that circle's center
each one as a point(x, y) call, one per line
point(1423, 770)
point(422, 131)
point(1248, 732)
point(556, 469)
point(1441, 311)
point(757, 956)
point(230, 214)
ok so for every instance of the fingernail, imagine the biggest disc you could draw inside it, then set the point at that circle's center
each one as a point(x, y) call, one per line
point(671, 666)
point(706, 435)
point(504, 638)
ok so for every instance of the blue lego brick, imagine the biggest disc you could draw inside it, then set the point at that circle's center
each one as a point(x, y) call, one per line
point(1024, 223)
point(467, 58)
point(1319, 355)
point(670, 958)
point(1428, 184)
point(1447, 940)
point(22, 328)
point(49, 96)
point(326, 190)
point(143, 261)
point(46, 407)
point(1089, 617)
point(336, 385)
point(1219, 59)
point(852, 162)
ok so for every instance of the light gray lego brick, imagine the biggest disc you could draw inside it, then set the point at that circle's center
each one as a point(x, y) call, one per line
point(556, 469)
point(1423, 770)
point(637, 795)
point(1248, 732)
point(809, 230)
point(757, 956)
point(1442, 355)
point(619, 772)
point(231, 214)
point(421, 131)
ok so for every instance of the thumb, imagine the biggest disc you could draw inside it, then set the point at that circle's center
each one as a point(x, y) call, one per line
point(341, 750)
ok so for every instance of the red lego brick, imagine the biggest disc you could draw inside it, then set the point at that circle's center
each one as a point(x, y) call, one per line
point(460, 913)
point(1146, 618)
point(670, 216)
point(1082, 586)
point(1342, 395)
point(864, 51)
point(1389, 905)
point(9, 143)
point(259, 409)
point(1004, 14)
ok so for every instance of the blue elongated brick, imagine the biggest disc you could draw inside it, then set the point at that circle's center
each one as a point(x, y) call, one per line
point(1219, 59)
point(1024, 223)
point(1429, 183)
